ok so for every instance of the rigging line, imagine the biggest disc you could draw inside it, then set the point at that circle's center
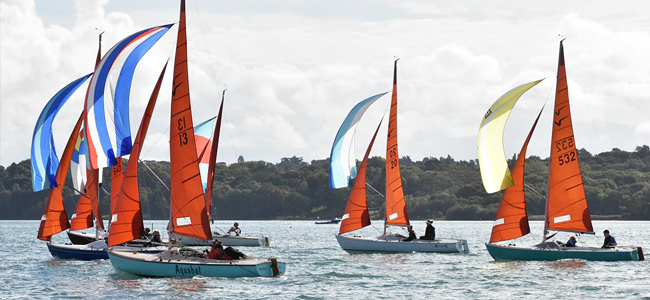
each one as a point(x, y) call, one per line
point(375, 190)
point(415, 115)
point(156, 142)
point(214, 77)
point(154, 174)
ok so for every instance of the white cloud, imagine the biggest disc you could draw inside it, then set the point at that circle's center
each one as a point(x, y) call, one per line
point(294, 71)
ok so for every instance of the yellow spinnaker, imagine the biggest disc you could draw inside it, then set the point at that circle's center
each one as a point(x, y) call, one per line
point(491, 155)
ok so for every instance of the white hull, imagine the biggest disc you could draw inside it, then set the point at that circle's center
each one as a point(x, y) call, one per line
point(226, 240)
point(186, 263)
point(392, 244)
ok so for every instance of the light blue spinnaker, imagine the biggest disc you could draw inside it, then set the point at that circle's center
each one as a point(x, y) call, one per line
point(343, 165)
point(44, 159)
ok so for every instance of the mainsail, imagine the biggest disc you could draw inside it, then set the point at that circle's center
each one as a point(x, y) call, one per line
point(566, 206)
point(126, 218)
point(44, 161)
point(189, 216)
point(343, 164)
point(356, 215)
point(213, 158)
point(396, 213)
point(82, 217)
point(491, 155)
point(107, 118)
point(511, 221)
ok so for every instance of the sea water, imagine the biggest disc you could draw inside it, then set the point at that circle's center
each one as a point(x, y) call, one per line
point(317, 268)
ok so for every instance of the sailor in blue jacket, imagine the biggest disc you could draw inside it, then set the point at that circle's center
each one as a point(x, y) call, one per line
point(610, 242)
point(571, 242)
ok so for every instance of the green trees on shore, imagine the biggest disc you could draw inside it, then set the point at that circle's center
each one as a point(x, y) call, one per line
point(616, 182)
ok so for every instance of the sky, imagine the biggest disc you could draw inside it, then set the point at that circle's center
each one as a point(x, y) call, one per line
point(294, 68)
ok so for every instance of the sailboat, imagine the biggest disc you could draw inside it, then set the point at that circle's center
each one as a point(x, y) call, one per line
point(46, 169)
point(206, 149)
point(356, 215)
point(189, 215)
point(566, 204)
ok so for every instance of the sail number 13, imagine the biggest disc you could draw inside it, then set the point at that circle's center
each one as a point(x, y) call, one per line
point(182, 137)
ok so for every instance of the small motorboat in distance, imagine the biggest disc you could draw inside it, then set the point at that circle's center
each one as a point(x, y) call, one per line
point(332, 221)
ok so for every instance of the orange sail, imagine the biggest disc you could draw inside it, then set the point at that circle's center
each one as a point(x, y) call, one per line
point(117, 175)
point(511, 221)
point(83, 214)
point(126, 218)
point(566, 206)
point(189, 215)
point(396, 213)
point(356, 214)
point(213, 158)
point(55, 219)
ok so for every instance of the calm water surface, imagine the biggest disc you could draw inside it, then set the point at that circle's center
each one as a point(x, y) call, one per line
point(318, 269)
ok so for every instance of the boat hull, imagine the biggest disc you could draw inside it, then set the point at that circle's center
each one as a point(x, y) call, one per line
point(394, 245)
point(226, 240)
point(79, 252)
point(157, 265)
point(83, 238)
point(93, 251)
point(536, 253)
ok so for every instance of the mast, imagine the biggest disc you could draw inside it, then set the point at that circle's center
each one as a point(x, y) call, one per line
point(396, 213)
point(189, 215)
point(566, 203)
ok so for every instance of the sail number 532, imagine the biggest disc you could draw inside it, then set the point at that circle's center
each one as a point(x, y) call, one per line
point(567, 158)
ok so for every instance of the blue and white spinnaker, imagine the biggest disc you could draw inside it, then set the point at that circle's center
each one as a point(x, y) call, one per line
point(108, 130)
point(343, 165)
point(44, 159)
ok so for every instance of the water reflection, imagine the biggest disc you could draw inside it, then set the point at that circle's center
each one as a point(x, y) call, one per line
point(567, 264)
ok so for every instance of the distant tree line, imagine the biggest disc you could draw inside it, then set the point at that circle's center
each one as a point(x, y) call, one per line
point(616, 183)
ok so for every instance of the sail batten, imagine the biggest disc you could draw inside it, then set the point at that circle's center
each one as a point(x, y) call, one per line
point(566, 205)
point(396, 213)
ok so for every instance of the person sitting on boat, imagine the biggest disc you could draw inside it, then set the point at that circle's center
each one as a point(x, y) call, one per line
point(430, 232)
point(234, 230)
point(217, 252)
point(610, 241)
point(571, 242)
point(234, 253)
point(147, 233)
point(155, 237)
point(411, 236)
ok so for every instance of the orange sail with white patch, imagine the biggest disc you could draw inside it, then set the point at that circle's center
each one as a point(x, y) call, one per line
point(356, 215)
point(126, 218)
point(55, 219)
point(189, 216)
point(511, 221)
point(396, 213)
point(566, 207)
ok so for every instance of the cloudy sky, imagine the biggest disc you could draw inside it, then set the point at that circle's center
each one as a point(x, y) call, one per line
point(294, 68)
